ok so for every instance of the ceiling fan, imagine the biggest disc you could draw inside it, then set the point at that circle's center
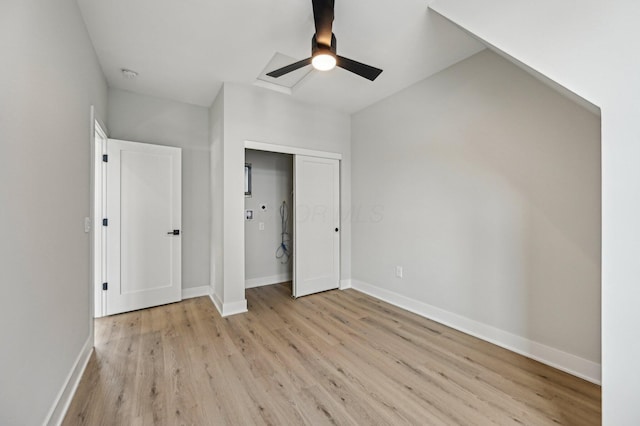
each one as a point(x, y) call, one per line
point(323, 48)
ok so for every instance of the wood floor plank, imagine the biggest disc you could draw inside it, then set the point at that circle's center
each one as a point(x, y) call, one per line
point(339, 357)
point(150, 404)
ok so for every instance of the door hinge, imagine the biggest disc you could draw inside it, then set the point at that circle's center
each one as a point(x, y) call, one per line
point(105, 286)
point(105, 158)
point(105, 222)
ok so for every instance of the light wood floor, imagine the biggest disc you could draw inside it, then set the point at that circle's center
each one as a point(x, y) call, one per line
point(339, 357)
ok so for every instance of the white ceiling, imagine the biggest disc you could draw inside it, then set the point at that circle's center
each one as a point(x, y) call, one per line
point(184, 49)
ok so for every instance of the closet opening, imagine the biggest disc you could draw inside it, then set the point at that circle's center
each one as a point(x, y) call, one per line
point(268, 224)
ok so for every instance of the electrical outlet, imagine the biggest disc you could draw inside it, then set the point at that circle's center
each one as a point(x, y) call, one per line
point(261, 226)
point(399, 271)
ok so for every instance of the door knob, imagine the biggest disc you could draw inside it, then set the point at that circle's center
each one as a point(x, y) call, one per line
point(174, 232)
point(336, 229)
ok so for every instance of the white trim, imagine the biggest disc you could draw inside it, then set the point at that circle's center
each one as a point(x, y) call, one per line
point(234, 308)
point(285, 149)
point(63, 400)
point(191, 292)
point(216, 302)
point(262, 281)
point(93, 128)
point(99, 128)
point(98, 241)
point(553, 357)
point(345, 284)
point(228, 309)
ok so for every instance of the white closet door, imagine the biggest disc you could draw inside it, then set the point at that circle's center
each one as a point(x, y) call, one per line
point(317, 225)
point(143, 210)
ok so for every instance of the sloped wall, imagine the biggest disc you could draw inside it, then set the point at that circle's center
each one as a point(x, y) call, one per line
point(485, 184)
point(588, 47)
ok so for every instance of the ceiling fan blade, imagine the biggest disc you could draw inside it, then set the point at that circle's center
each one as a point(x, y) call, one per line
point(289, 68)
point(363, 70)
point(323, 18)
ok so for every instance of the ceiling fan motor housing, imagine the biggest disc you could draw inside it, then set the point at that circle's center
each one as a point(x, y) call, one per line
point(318, 48)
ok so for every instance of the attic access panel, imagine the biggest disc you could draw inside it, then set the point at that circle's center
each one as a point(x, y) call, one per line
point(286, 83)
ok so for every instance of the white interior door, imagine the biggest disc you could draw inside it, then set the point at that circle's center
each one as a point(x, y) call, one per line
point(317, 224)
point(143, 206)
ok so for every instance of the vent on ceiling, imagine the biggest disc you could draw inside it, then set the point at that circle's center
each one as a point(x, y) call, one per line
point(286, 83)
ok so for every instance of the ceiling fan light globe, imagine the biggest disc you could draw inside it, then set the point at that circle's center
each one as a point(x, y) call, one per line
point(324, 62)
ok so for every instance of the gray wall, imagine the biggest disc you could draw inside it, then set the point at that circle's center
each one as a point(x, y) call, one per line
point(486, 189)
point(272, 183)
point(49, 78)
point(142, 118)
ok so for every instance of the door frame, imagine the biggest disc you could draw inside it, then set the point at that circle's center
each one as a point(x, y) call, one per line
point(98, 148)
point(285, 149)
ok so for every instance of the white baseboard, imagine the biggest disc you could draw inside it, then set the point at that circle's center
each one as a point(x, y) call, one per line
point(63, 400)
point(216, 301)
point(274, 279)
point(553, 357)
point(234, 308)
point(345, 284)
point(228, 309)
point(191, 292)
